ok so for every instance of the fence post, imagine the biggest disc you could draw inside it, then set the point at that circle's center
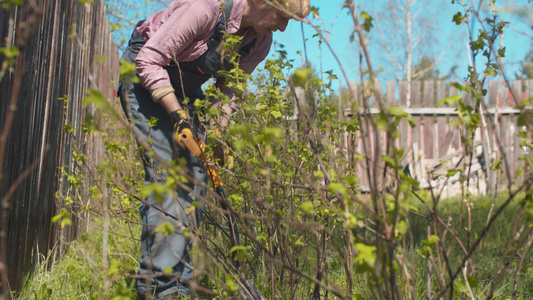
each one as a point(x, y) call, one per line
point(505, 134)
point(429, 120)
point(404, 127)
point(517, 87)
point(442, 133)
point(415, 102)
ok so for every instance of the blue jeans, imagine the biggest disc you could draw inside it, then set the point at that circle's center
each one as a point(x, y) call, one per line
point(161, 252)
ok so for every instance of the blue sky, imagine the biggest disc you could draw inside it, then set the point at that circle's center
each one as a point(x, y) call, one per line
point(444, 38)
point(440, 37)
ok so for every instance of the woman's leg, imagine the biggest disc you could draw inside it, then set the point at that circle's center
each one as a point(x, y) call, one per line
point(160, 252)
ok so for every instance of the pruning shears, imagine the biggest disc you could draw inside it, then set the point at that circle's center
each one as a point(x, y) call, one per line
point(186, 137)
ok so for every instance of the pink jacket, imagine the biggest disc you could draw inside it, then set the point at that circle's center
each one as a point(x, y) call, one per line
point(181, 32)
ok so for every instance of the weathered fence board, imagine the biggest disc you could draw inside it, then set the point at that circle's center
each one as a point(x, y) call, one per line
point(443, 138)
point(404, 127)
point(58, 54)
point(429, 121)
point(436, 134)
point(415, 102)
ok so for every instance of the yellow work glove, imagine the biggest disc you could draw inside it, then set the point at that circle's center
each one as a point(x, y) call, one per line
point(180, 121)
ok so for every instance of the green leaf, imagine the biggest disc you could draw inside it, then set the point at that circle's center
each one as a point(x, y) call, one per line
point(450, 100)
point(424, 251)
point(114, 27)
point(9, 53)
point(497, 165)
point(352, 126)
point(522, 120)
point(472, 281)
point(273, 132)
point(332, 76)
point(366, 259)
point(166, 229)
point(65, 98)
point(152, 122)
point(9, 4)
point(450, 173)
point(351, 180)
point(301, 76)
point(100, 59)
point(128, 71)
point(276, 114)
point(335, 187)
point(261, 236)
point(458, 18)
point(411, 121)
point(367, 24)
point(461, 286)
point(63, 216)
point(314, 11)
point(298, 240)
point(97, 98)
point(318, 174)
point(230, 283)
point(66, 222)
point(389, 161)
point(73, 33)
point(491, 72)
point(397, 112)
point(458, 86)
point(159, 191)
point(431, 240)
point(382, 125)
point(56, 218)
point(400, 229)
point(351, 221)
point(308, 207)
point(501, 52)
point(116, 266)
point(69, 129)
point(240, 248)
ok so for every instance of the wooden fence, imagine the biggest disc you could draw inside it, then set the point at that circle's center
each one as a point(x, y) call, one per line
point(435, 141)
point(58, 43)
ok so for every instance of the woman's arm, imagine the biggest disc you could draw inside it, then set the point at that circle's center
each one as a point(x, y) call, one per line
point(170, 102)
point(171, 35)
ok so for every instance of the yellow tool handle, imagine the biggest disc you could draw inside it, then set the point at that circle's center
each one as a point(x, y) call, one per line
point(197, 149)
point(186, 137)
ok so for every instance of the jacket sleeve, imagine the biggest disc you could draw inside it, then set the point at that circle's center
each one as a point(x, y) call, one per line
point(184, 23)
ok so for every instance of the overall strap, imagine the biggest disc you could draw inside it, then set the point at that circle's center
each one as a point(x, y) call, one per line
point(217, 36)
point(245, 50)
point(228, 5)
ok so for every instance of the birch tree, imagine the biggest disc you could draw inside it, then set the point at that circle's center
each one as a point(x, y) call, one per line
point(406, 31)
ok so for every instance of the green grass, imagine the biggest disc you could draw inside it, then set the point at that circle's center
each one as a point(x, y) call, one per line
point(81, 273)
point(488, 253)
